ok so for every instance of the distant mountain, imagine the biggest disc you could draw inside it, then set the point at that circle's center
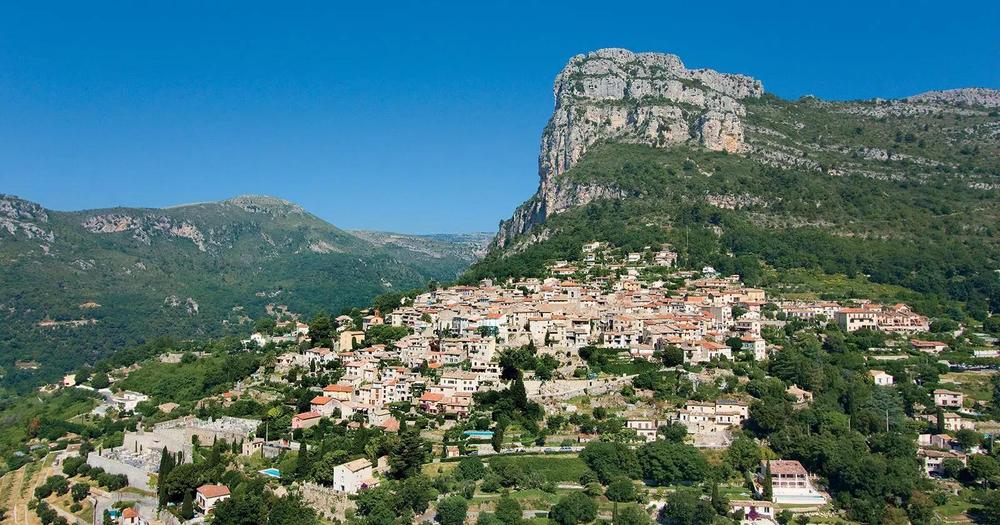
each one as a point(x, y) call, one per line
point(641, 150)
point(467, 247)
point(76, 285)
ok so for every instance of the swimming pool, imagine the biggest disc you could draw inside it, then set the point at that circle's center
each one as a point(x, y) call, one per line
point(479, 434)
point(273, 472)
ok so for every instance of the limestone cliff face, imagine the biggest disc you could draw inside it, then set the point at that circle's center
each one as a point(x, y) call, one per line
point(643, 98)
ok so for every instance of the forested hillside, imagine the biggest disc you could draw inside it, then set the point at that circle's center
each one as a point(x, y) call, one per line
point(79, 285)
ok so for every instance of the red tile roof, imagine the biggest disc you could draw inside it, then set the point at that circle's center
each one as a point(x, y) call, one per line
point(213, 491)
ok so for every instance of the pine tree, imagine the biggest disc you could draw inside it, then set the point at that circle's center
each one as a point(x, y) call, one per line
point(187, 508)
point(408, 456)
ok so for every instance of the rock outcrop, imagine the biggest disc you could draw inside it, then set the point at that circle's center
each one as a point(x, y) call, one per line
point(265, 204)
point(642, 98)
point(984, 97)
point(18, 216)
point(143, 227)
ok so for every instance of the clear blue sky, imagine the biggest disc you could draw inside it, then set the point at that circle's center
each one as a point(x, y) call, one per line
point(414, 117)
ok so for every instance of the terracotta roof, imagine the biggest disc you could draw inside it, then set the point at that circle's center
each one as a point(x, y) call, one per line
point(213, 491)
point(307, 415)
point(130, 512)
point(338, 388)
point(855, 311)
point(320, 400)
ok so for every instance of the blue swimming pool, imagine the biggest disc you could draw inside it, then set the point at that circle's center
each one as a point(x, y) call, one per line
point(479, 434)
point(273, 472)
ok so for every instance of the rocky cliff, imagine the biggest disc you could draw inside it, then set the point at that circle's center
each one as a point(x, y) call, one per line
point(641, 151)
point(620, 96)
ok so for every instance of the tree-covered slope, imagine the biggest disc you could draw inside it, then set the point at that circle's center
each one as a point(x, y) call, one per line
point(76, 285)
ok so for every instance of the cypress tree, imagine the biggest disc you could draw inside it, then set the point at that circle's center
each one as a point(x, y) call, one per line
point(302, 461)
point(215, 456)
point(720, 505)
point(767, 481)
point(166, 465)
point(519, 394)
point(187, 508)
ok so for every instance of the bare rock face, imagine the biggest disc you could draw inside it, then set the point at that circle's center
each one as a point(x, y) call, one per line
point(144, 227)
point(984, 97)
point(18, 216)
point(641, 98)
point(265, 204)
point(720, 131)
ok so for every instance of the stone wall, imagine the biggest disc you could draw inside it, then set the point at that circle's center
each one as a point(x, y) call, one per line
point(328, 502)
point(137, 477)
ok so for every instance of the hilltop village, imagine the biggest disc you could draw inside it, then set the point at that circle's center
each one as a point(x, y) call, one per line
point(617, 388)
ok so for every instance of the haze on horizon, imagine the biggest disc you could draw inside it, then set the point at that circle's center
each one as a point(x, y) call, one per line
point(373, 121)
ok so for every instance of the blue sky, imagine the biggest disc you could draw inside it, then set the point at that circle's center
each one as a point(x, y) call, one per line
point(415, 117)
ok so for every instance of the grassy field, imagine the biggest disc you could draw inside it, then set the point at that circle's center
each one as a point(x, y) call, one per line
point(957, 508)
point(809, 284)
point(434, 469)
point(530, 499)
point(975, 385)
point(557, 469)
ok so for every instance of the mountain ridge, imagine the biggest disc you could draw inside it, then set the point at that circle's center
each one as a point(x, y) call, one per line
point(201, 269)
point(615, 95)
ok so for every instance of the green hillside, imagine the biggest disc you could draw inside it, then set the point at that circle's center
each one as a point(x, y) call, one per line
point(126, 275)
